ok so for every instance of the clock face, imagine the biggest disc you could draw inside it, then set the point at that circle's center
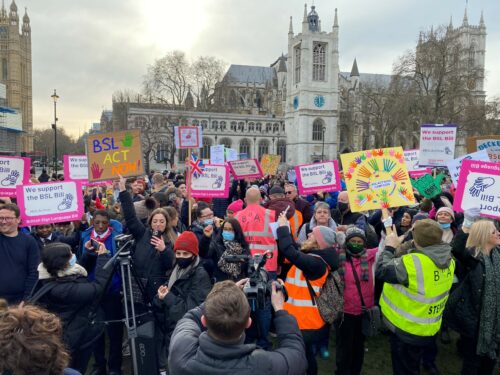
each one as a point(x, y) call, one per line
point(295, 102)
point(319, 101)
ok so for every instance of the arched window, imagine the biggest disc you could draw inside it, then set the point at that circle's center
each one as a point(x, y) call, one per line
point(140, 122)
point(245, 147)
point(161, 152)
point(205, 150)
point(282, 150)
point(317, 130)
point(204, 124)
point(251, 127)
point(319, 61)
point(268, 127)
point(222, 125)
point(276, 127)
point(263, 147)
point(154, 121)
point(226, 142)
point(164, 122)
point(241, 126)
point(183, 153)
point(196, 123)
point(259, 127)
point(296, 59)
point(233, 126)
point(214, 124)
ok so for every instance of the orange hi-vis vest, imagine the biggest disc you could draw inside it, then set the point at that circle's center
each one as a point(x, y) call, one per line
point(254, 221)
point(299, 303)
point(295, 223)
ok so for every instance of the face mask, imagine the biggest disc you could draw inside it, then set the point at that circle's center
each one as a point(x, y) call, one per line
point(72, 261)
point(445, 226)
point(209, 222)
point(342, 206)
point(228, 236)
point(184, 262)
point(355, 248)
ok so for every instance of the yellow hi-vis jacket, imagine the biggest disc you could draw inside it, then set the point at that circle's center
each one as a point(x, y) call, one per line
point(418, 308)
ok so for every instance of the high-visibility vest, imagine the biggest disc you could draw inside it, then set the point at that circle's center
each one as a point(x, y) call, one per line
point(254, 221)
point(299, 303)
point(295, 223)
point(418, 308)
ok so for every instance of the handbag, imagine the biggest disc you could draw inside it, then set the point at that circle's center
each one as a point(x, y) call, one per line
point(370, 319)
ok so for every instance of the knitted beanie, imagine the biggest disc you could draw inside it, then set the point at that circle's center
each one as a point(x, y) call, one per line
point(325, 237)
point(447, 210)
point(354, 231)
point(236, 206)
point(187, 241)
point(427, 233)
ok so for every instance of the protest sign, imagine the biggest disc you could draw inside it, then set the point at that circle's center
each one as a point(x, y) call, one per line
point(113, 154)
point(217, 155)
point(323, 176)
point(14, 171)
point(270, 164)
point(52, 202)
point(231, 154)
point(437, 144)
point(291, 175)
point(377, 179)
point(479, 187)
point(455, 164)
point(187, 136)
point(428, 186)
point(76, 168)
point(212, 183)
point(490, 143)
point(248, 168)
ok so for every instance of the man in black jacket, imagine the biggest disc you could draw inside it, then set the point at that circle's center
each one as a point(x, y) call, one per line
point(220, 348)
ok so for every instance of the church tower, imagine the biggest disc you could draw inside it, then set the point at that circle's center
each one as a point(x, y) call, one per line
point(312, 91)
point(15, 65)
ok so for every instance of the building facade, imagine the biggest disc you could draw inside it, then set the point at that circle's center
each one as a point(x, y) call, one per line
point(16, 75)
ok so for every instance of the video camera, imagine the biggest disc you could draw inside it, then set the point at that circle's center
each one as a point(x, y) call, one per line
point(258, 289)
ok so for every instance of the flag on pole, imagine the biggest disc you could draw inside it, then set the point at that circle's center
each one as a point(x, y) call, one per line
point(196, 166)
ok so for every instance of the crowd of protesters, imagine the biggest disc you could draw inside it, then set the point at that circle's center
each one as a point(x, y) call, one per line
point(428, 269)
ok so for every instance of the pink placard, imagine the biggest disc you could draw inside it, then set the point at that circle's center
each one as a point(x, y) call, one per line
point(188, 136)
point(14, 171)
point(51, 202)
point(76, 168)
point(315, 177)
point(419, 173)
point(247, 168)
point(479, 187)
point(213, 183)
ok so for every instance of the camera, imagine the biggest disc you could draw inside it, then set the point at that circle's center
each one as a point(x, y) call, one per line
point(258, 289)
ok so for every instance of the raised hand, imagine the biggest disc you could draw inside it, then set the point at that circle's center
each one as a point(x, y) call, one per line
point(128, 140)
point(480, 185)
point(428, 186)
point(11, 179)
point(162, 292)
point(96, 170)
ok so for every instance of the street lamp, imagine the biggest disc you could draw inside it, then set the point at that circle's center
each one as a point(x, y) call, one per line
point(54, 96)
point(323, 129)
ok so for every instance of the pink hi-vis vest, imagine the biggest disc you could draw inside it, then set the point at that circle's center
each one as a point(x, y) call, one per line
point(254, 221)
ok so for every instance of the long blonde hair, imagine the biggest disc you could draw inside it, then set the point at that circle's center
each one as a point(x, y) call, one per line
point(479, 237)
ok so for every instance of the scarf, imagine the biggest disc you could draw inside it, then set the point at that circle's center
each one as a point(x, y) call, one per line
point(489, 322)
point(100, 237)
point(344, 253)
point(179, 272)
point(76, 270)
point(231, 269)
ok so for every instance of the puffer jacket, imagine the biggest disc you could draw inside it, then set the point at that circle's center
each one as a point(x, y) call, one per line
point(148, 263)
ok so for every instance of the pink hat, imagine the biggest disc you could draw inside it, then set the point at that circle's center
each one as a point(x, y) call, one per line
point(447, 210)
point(236, 206)
point(325, 236)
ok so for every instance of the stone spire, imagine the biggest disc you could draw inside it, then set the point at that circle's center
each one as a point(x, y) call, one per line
point(304, 20)
point(450, 26)
point(466, 20)
point(3, 12)
point(481, 21)
point(336, 19)
point(355, 70)
point(290, 28)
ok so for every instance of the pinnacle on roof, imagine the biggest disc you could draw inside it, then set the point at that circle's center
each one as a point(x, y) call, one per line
point(481, 21)
point(450, 26)
point(336, 19)
point(354, 70)
point(313, 19)
point(13, 6)
point(26, 19)
point(304, 20)
point(282, 64)
point(466, 20)
point(290, 28)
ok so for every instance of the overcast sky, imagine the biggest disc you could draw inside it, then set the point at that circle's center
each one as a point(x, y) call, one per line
point(89, 49)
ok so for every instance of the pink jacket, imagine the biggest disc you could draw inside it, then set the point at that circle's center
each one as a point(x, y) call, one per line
point(352, 302)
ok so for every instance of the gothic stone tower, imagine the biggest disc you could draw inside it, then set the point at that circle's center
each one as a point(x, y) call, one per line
point(312, 91)
point(15, 59)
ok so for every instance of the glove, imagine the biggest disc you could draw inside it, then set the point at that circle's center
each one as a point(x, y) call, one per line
point(470, 216)
point(387, 222)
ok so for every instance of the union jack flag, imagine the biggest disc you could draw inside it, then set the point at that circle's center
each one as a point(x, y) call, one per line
point(196, 166)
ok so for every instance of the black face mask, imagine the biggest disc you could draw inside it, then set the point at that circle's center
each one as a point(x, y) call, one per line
point(342, 206)
point(184, 262)
point(354, 248)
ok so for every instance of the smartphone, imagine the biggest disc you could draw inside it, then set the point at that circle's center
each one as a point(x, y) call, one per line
point(95, 244)
point(157, 234)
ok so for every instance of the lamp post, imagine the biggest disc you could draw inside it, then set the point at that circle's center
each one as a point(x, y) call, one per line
point(323, 129)
point(54, 96)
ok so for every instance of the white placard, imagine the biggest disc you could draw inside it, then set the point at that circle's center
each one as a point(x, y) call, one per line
point(77, 167)
point(411, 159)
point(217, 155)
point(231, 154)
point(455, 165)
point(437, 144)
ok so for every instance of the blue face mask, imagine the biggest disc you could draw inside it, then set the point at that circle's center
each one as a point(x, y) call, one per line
point(445, 226)
point(72, 261)
point(228, 236)
point(209, 222)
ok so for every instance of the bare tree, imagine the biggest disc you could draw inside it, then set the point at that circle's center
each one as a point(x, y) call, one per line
point(207, 72)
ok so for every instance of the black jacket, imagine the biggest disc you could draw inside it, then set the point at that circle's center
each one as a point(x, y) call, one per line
point(215, 252)
point(148, 263)
point(194, 352)
point(305, 209)
point(187, 292)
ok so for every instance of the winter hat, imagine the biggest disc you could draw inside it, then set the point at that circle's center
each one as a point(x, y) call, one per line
point(187, 241)
point(276, 189)
point(236, 206)
point(325, 237)
point(354, 231)
point(427, 233)
point(447, 210)
point(419, 216)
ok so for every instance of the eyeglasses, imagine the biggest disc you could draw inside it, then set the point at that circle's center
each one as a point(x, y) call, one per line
point(288, 192)
point(7, 219)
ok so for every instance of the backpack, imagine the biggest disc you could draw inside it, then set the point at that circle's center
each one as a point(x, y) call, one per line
point(330, 301)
